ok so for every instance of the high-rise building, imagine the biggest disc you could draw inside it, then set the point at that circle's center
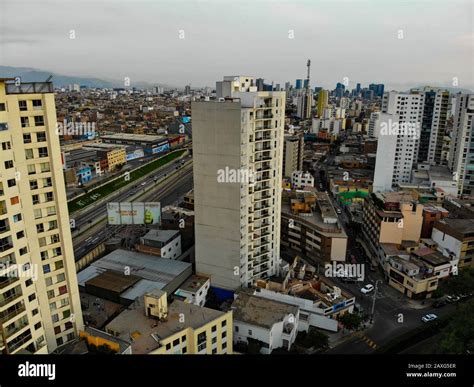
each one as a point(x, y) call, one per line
point(398, 136)
point(304, 102)
point(237, 153)
point(40, 306)
point(461, 154)
point(299, 84)
point(293, 153)
point(436, 109)
point(339, 90)
point(378, 89)
point(323, 98)
point(187, 90)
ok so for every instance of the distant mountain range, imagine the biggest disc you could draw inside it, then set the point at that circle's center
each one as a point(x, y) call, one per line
point(35, 75)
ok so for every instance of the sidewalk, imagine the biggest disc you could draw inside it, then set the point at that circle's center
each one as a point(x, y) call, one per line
point(338, 338)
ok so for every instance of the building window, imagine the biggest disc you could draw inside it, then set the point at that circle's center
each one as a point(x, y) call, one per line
point(26, 138)
point(37, 103)
point(11, 182)
point(17, 218)
point(14, 200)
point(43, 152)
point(41, 136)
point(32, 297)
point(185, 350)
point(3, 126)
point(8, 164)
point(2, 107)
point(39, 121)
point(214, 329)
point(22, 106)
point(34, 312)
point(168, 346)
point(6, 145)
point(250, 332)
point(175, 342)
point(224, 323)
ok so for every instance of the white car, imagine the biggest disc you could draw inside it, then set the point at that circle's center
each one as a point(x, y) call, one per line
point(367, 288)
point(338, 210)
point(429, 317)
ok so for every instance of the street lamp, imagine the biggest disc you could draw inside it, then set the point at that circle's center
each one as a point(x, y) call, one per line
point(373, 301)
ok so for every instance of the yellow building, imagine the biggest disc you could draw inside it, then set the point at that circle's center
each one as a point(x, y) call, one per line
point(323, 98)
point(156, 326)
point(39, 304)
point(391, 217)
point(115, 157)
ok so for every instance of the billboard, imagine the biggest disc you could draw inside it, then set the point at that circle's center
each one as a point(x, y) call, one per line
point(133, 213)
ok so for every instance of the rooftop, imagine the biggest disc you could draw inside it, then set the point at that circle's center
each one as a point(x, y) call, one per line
point(194, 283)
point(146, 332)
point(161, 235)
point(259, 311)
point(133, 137)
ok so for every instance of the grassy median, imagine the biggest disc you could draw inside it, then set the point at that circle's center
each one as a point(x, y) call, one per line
point(105, 190)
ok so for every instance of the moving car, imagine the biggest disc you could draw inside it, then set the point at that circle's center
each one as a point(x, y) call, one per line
point(429, 317)
point(338, 211)
point(367, 288)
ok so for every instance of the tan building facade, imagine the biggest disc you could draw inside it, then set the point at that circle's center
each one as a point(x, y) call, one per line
point(39, 296)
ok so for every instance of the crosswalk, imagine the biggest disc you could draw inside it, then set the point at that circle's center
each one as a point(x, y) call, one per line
point(367, 340)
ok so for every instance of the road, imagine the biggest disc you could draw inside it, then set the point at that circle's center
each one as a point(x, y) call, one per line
point(101, 209)
point(169, 194)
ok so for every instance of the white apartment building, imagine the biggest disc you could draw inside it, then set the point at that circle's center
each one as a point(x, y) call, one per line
point(300, 179)
point(461, 154)
point(40, 307)
point(398, 136)
point(237, 153)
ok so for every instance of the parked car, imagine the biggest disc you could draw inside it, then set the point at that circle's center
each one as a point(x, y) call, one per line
point(452, 299)
point(367, 288)
point(439, 304)
point(429, 317)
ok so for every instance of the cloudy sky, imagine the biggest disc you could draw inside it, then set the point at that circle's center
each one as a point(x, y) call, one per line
point(197, 42)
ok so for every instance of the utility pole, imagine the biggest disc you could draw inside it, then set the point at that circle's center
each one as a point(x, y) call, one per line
point(373, 301)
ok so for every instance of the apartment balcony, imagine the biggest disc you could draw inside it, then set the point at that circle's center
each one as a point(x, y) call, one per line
point(11, 298)
point(264, 177)
point(8, 260)
point(11, 312)
point(261, 188)
point(264, 197)
point(19, 341)
point(263, 138)
point(262, 159)
point(266, 115)
point(263, 148)
point(15, 327)
point(263, 169)
point(7, 281)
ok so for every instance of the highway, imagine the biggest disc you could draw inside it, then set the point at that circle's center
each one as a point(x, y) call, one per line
point(98, 210)
point(170, 193)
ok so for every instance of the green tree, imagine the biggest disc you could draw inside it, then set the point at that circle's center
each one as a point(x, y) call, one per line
point(458, 336)
point(351, 321)
point(461, 283)
point(312, 339)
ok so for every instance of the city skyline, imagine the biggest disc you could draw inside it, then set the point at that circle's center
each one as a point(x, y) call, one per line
point(105, 40)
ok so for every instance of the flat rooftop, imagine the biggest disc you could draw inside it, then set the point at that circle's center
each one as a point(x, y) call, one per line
point(114, 281)
point(260, 311)
point(144, 266)
point(132, 324)
point(464, 226)
point(133, 137)
point(194, 283)
point(161, 235)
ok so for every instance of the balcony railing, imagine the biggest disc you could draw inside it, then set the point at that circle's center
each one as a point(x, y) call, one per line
point(8, 315)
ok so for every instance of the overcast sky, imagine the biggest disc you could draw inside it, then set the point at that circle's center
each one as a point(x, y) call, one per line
point(141, 40)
